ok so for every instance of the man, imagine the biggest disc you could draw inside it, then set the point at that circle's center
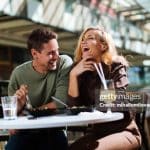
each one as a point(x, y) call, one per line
point(45, 76)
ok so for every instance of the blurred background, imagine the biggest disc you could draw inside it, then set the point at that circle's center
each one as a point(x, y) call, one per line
point(128, 21)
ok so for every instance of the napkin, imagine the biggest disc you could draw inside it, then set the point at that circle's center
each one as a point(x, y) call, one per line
point(94, 113)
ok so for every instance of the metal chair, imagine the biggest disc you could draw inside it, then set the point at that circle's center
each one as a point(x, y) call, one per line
point(4, 135)
point(140, 121)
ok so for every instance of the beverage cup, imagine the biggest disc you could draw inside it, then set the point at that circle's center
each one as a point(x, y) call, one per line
point(9, 106)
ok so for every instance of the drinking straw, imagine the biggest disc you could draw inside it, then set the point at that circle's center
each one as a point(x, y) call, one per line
point(102, 73)
point(101, 77)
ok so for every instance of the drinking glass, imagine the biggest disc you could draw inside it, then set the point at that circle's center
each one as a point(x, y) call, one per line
point(9, 106)
point(108, 95)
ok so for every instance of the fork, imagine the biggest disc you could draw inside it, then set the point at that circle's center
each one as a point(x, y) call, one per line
point(28, 103)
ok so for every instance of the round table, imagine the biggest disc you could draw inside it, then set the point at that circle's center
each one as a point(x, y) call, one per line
point(59, 121)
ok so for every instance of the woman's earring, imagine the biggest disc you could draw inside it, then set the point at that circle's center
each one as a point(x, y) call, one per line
point(105, 47)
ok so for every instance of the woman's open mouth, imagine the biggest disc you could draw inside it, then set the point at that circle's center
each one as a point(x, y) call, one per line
point(86, 49)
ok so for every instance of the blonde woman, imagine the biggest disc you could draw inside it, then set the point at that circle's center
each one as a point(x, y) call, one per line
point(96, 46)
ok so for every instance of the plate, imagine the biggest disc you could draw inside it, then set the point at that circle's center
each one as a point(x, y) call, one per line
point(42, 112)
point(36, 112)
point(77, 110)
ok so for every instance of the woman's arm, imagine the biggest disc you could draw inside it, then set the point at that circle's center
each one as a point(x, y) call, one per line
point(84, 65)
point(73, 89)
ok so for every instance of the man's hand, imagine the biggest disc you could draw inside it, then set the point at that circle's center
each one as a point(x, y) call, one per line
point(12, 131)
point(50, 105)
point(21, 96)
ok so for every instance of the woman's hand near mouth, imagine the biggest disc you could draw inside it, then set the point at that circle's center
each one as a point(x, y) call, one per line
point(86, 64)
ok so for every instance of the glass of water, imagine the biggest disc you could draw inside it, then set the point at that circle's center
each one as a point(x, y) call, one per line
point(9, 105)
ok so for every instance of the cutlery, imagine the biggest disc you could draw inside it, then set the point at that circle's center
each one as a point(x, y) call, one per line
point(59, 101)
point(28, 104)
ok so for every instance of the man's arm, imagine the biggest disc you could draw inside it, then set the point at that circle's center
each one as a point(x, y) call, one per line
point(61, 87)
point(63, 80)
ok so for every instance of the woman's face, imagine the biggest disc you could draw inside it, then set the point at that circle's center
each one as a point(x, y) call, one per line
point(91, 45)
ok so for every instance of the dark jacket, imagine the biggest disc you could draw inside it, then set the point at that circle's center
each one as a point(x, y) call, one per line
point(89, 82)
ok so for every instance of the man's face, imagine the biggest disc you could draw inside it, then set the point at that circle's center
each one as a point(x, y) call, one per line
point(48, 57)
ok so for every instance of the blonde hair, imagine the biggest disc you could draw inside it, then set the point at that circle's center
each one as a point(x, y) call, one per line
point(110, 52)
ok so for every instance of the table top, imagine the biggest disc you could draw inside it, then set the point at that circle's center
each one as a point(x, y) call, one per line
point(59, 120)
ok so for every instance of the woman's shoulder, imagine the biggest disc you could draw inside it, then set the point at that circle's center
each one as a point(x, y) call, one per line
point(119, 62)
point(119, 71)
point(119, 66)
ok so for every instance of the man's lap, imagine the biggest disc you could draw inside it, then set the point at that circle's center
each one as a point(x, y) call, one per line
point(39, 140)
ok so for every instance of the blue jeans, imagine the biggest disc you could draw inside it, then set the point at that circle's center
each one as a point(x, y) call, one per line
point(42, 139)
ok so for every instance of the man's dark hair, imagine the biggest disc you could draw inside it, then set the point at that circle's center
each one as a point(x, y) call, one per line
point(38, 37)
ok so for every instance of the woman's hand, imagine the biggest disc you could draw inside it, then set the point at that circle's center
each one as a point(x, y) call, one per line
point(86, 64)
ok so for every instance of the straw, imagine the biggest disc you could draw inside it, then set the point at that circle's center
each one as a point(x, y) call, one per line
point(101, 69)
point(102, 72)
point(101, 77)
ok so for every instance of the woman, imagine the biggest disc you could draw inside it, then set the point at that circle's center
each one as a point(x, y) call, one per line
point(96, 46)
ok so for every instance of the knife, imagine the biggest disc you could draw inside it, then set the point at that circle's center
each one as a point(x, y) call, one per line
point(59, 101)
